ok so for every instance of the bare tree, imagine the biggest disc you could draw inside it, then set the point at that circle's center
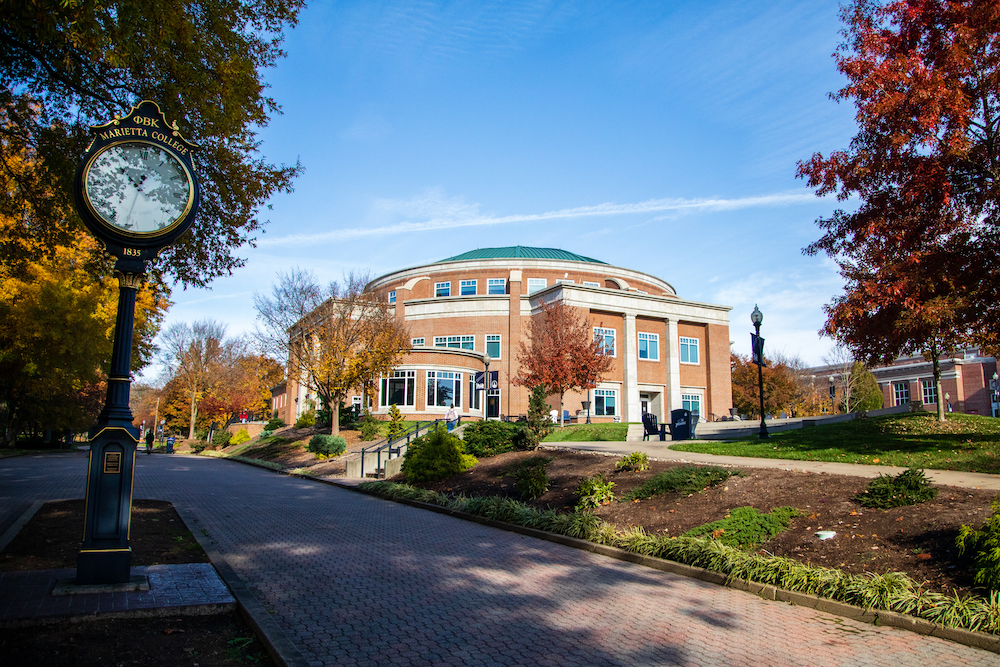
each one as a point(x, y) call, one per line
point(841, 362)
point(194, 354)
point(335, 339)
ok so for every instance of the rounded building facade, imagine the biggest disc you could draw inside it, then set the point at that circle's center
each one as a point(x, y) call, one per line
point(474, 308)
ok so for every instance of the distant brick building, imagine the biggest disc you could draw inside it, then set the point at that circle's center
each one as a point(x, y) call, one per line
point(965, 378)
point(669, 352)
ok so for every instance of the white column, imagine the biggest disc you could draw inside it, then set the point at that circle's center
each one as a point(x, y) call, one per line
point(632, 409)
point(673, 401)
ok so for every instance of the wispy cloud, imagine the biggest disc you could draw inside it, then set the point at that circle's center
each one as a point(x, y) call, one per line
point(455, 213)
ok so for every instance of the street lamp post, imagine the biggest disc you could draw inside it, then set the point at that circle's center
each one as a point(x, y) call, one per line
point(833, 395)
point(758, 352)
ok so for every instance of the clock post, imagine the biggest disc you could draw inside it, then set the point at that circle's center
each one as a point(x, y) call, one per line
point(137, 192)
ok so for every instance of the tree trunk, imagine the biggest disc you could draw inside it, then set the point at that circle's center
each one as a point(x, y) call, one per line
point(334, 416)
point(935, 361)
point(194, 414)
point(562, 421)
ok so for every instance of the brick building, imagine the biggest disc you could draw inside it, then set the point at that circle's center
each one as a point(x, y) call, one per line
point(965, 378)
point(669, 352)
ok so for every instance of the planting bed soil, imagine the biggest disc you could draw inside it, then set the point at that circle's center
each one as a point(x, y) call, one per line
point(918, 540)
point(51, 540)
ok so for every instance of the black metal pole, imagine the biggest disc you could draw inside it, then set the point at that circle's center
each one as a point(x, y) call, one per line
point(760, 381)
point(105, 556)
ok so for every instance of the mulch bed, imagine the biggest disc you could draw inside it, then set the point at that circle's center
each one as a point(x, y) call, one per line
point(918, 540)
point(51, 540)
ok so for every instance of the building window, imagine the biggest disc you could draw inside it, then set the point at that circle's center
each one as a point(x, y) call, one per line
point(474, 398)
point(467, 287)
point(606, 339)
point(496, 286)
point(901, 392)
point(649, 346)
point(604, 402)
point(444, 389)
point(442, 289)
point(414, 342)
point(493, 346)
point(398, 389)
point(929, 391)
point(392, 296)
point(462, 342)
point(689, 350)
point(691, 402)
point(535, 284)
point(587, 283)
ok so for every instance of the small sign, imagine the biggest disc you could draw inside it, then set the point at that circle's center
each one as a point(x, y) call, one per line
point(112, 463)
point(757, 345)
point(494, 380)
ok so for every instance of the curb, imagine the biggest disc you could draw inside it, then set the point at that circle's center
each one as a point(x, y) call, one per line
point(278, 646)
point(972, 638)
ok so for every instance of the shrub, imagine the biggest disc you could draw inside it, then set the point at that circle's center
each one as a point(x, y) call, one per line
point(907, 488)
point(370, 428)
point(594, 491)
point(746, 527)
point(683, 479)
point(531, 481)
point(274, 424)
point(240, 437)
point(538, 415)
point(984, 547)
point(435, 456)
point(326, 445)
point(396, 426)
point(222, 438)
point(489, 438)
point(637, 461)
point(306, 419)
point(266, 434)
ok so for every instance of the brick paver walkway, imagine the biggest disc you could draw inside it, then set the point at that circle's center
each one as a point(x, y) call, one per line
point(356, 580)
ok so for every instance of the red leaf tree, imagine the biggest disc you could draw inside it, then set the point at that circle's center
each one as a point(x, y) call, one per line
point(919, 253)
point(562, 354)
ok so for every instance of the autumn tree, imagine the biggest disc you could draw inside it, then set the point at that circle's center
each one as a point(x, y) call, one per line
point(243, 381)
point(919, 254)
point(561, 353)
point(335, 338)
point(781, 388)
point(57, 318)
point(194, 353)
point(67, 65)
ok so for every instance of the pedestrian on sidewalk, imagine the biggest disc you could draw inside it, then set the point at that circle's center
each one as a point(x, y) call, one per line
point(149, 441)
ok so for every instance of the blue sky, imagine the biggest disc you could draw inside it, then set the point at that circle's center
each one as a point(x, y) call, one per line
point(657, 136)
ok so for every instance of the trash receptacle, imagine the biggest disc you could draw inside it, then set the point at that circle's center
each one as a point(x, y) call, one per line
point(681, 427)
point(170, 445)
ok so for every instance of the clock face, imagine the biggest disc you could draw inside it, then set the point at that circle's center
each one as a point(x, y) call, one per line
point(138, 188)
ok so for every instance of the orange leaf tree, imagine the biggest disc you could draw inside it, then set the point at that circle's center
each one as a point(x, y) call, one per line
point(781, 387)
point(919, 253)
point(562, 353)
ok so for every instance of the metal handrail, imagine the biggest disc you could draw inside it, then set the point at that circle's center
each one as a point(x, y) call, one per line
point(408, 435)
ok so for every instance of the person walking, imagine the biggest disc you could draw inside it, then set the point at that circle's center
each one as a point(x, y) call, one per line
point(149, 441)
point(450, 416)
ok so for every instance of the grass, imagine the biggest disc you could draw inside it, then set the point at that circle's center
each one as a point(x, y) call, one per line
point(912, 440)
point(588, 433)
point(684, 480)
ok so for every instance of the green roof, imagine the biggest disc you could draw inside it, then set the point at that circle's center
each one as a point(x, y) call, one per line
point(522, 252)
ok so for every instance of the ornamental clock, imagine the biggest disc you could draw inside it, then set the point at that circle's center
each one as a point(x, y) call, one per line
point(136, 188)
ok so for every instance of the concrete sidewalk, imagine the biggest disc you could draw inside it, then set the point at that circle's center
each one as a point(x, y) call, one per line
point(661, 450)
